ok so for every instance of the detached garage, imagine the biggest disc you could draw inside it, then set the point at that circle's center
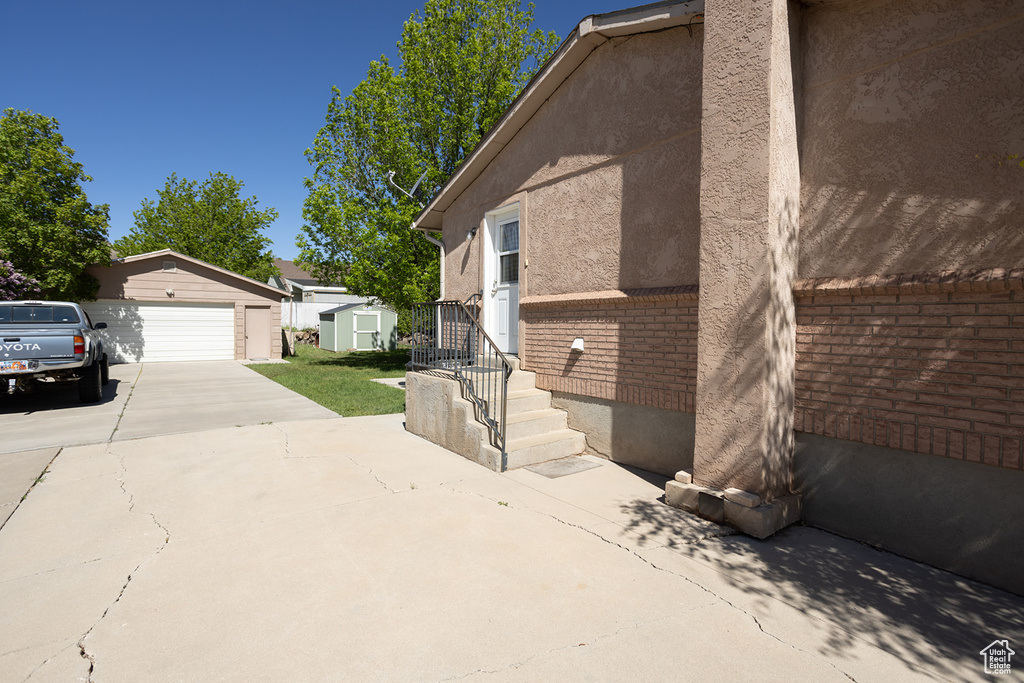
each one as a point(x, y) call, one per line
point(165, 306)
point(363, 327)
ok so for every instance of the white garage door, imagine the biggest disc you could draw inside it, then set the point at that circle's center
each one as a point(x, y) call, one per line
point(154, 332)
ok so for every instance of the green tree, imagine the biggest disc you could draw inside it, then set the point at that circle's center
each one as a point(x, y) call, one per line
point(207, 221)
point(48, 229)
point(462, 62)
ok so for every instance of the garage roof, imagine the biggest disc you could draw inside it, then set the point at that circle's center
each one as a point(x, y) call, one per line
point(177, 255)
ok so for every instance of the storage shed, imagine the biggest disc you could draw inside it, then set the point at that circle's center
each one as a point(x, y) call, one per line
point(165, 306)
point(363, 327)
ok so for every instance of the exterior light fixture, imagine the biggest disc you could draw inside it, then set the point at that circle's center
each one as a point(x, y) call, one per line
point(470, 234)
point(577, 345)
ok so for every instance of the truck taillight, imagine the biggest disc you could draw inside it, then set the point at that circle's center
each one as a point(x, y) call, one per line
point(79, 345)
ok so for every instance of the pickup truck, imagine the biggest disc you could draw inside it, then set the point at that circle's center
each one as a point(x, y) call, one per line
point(51, 341)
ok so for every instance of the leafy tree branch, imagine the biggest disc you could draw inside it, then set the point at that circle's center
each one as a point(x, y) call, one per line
point(48, 229)
point(208, 221)
point(461, 63)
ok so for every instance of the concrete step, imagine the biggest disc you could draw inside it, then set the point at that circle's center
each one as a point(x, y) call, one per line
point(534, 422)
point(494, 361)
point(531, 450)
point(491, 375)
point(525, 400)
point(483, 377)
point(522, 379)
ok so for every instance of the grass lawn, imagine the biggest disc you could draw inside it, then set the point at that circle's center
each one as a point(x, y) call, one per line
point(341, 381)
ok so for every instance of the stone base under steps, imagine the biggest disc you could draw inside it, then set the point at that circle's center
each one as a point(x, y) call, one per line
point(436, 410)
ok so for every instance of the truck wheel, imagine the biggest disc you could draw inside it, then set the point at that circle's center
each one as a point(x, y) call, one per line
point(90, 388)
point(105, 371)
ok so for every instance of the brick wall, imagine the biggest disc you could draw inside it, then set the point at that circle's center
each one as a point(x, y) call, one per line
point(914, 367)
point(641, 345)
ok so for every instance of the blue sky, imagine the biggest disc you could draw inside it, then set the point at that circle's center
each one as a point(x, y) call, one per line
point(143, 89)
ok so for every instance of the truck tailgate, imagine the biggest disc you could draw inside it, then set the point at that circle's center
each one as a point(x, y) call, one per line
point(36, 344)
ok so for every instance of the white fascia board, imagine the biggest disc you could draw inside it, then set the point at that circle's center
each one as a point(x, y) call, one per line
point(653, 17)
point(592, 32)
point(319, 288)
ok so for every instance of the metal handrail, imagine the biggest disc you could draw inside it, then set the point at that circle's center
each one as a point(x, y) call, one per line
point(447, 336)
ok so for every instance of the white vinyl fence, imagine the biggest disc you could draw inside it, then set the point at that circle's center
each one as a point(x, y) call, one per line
point(306, 313)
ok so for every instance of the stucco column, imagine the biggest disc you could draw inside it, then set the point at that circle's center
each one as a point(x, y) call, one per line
point(749, 202)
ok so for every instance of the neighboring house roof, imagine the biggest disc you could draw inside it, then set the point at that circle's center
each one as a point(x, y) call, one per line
point(591, 33)
point(294, 276)
point(292, 272)
point(163, 253)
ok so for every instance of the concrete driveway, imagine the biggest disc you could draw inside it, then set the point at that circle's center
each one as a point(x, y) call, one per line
point(349, 549)
point(147, 400)
point(141, 400)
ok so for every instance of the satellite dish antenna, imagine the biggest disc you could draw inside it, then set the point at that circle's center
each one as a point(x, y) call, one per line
point(391, 179)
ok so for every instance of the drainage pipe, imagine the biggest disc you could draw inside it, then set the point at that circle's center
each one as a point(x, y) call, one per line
point(439, 243)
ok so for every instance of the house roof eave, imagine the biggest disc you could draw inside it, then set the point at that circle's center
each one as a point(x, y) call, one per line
point(589, 34)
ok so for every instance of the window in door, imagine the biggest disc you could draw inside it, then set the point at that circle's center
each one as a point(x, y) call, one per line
point(508, 252)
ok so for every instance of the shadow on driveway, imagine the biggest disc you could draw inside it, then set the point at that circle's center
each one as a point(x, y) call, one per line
point(46, 396)
point(923, 615)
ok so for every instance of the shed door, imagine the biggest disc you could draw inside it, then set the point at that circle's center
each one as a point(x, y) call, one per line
point(366, 330)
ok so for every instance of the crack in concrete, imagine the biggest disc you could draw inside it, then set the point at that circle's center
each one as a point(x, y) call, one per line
point(288, 445)
point(51, 571)
point(29, 647)
point(38, 479)
point(288, 456)
point(287, 441)
point(651, 564)
point(83, 651)
point(370, 471)
point(783, 642)
point(594, 641)
point(125, 406)
point(47, 660)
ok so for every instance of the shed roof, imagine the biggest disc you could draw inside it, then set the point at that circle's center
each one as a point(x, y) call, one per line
point(591, 33)
point(345, 307)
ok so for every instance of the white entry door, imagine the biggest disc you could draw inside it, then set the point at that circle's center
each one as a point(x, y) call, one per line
point(502, 315)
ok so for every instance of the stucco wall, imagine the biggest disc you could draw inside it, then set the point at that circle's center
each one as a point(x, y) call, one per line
point(910, 110)
point(607, 174)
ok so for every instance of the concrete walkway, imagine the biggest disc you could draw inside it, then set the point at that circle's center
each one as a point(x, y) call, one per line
point(348, 549)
